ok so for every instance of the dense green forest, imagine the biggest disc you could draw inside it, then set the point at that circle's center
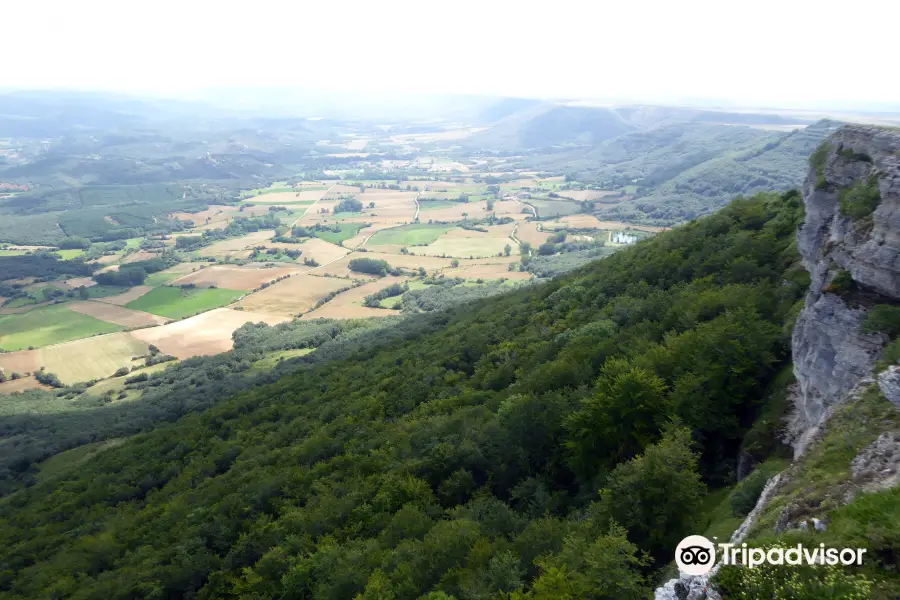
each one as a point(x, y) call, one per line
point(553, 442)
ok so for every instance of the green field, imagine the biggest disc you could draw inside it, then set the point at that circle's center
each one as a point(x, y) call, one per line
point(134, 242)
point(409, 235)
point(46, 326)
point(70, 254)
point(555, 208)
point(176, 303)
point(269, 362)
point(13, 252)
point(58, 464)
point(347, 231)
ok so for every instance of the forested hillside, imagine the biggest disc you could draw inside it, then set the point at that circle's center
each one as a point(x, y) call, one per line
point(555, 442)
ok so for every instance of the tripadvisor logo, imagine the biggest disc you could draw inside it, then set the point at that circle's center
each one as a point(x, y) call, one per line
point(696, 555)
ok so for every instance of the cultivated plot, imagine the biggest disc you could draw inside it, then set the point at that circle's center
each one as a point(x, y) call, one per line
point(22, 384)
point(129, 296)
point(49, 325)
point(205, 334)
point(235, 246)
point(118, 315)
point(349, 304)
point(92, 358)
point(292, 296)
point(234, 277)
point(177, 303)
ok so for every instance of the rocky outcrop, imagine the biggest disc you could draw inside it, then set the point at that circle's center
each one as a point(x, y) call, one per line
point(889, 384)
point(831, 352)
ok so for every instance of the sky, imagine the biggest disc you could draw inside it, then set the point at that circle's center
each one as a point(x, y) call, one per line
point(787, 53)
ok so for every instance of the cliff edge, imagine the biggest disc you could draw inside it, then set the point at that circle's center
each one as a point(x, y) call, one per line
point(850, 243)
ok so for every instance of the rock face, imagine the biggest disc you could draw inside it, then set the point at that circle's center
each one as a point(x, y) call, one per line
point(889, 383)
point(831, 352)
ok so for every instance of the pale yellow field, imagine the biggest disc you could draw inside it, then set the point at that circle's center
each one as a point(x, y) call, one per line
point(203, 335)
point(348, 305)
point(341, 189)
point(464, 243)
point(236, 245)
point(465, 247)
point(352, 311)
point(285, 198)
point(80, 281)
point(216, 213)
point(119, 315)
point(472, 210)
point(123, 299)
point(592, 222)
point(357, 144)
point(138, 256)
point(92, 358)
point(321, 251)
point(390, 207)
point(292, 296)
point(234, 277)
point(528, 232)
point(496, 271)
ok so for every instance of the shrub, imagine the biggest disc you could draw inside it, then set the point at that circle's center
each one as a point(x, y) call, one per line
point(884, 318)
point(841, 284)
point(861, 199)
point(137, 378)
point(48, 378)
point(370, 265)
point(121, 372)
point(783, 582)
point(747, 492)
point(348, 205)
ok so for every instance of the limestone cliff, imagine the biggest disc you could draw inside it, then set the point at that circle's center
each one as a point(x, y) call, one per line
point(853, 256)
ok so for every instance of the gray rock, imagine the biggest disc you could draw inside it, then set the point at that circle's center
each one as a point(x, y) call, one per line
point(820, 525)
point(889, 384)
point(831, 353)
point(877, 466)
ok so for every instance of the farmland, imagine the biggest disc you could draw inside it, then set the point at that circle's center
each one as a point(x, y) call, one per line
point(50, 325)
point(177, 303)
point(205, 334)
point(292, 296)
point(91, 358)
point(282, 249)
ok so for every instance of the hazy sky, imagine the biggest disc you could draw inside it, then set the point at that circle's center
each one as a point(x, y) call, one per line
point(785, 52)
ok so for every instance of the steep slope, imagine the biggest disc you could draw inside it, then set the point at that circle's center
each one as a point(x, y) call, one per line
point(710, 165)
point(462, 459)
point(843, 488)
point(543, 126)
point(850, 244)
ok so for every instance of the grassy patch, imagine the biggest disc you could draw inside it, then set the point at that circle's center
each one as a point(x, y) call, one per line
point(819, 478)
point(13, 252)
point(861, 199)
point(271, 361)
point(64, 461)
point(70, 254)
point(719, 520)
point(51, 325)
point(177, 303)
point(345, 231)
point(410, 235)
point(161, 278)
